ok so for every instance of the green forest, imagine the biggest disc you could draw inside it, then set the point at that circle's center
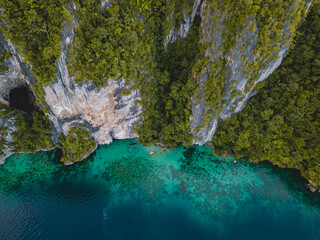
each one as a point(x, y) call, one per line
point(76, 144)
point(281, 123)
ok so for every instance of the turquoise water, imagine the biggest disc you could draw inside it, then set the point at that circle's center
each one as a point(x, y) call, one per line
point(122, 192)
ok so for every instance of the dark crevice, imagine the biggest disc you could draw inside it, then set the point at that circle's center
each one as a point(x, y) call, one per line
point(23, 99)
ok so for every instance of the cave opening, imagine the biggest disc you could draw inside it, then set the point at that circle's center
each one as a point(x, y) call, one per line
point(23, 99)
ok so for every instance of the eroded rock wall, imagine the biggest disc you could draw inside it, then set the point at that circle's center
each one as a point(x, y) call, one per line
point(13, 77)
point(237, 77)
point(104, 112)
point(8, 123)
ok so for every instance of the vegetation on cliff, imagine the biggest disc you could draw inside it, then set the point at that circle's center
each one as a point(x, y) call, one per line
point(125, 39)
point(35, 28)
point(76, 145)
point(128, 39)
point(4, 55)
point(33, 132)
point(108, 42)
point(281, 123)
point(266, 26)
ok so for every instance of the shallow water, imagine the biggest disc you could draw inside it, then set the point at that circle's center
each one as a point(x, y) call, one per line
point(122, 192)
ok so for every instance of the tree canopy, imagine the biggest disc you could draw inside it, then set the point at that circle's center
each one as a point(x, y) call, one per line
point(281, 123)
point(76, 145)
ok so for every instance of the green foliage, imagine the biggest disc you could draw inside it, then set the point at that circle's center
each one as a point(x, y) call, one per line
point(274, 22)
point(167, 115)
point(34, 26)
point(281, 123)
point(181, 7)
point(125, 39)
point(107, 43)
point(33, 133)
point(76, 145)
point(4, 55)
point(119, 40)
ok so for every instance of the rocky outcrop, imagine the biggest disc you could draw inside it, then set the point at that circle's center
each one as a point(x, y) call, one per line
point(237, 76)
point(13, 77)
point(236, 79)
point(185, 27)
point(313, 187)
point(8, 123)
point(104, 112)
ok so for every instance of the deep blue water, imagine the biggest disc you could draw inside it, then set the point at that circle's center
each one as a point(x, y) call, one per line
point(121, 192)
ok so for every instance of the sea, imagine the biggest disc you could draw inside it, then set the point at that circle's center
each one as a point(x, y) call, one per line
point(123, 192)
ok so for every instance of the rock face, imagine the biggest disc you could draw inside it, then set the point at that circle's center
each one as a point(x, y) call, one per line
point(236, 79)
point(13, 77)
point(9, 124)
point(107, 114)
point(103, 111)
point(246, 42)
point(185, 27)
point(233, 105)
point(313, 187)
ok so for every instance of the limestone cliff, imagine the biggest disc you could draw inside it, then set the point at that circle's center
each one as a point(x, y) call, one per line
point(8, 125)
point(103, 111)
point(237, 75)
point(108, 114)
